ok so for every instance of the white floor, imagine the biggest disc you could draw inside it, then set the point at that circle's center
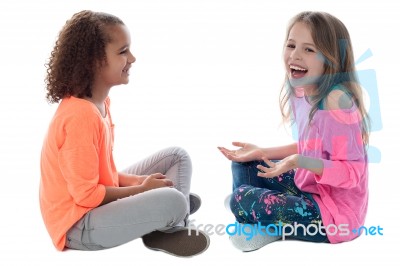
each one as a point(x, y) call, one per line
point(207, 73)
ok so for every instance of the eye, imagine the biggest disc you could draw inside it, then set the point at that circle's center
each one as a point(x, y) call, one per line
point(310, 50)
point(292, 46)
point(123, 51)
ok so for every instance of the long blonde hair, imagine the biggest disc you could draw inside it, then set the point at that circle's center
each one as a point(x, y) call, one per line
point(332, 40)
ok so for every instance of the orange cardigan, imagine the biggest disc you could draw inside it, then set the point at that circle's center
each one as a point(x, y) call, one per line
point(76, 165)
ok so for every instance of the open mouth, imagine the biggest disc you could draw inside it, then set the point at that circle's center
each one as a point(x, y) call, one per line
point(297, 72)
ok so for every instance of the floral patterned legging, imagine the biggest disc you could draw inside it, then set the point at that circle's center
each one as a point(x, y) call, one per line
point(273, 201)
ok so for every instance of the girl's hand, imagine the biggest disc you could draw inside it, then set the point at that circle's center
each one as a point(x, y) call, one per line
point(150, 182)
point(247, 152)
point(140, 179)
point(277, 168)
point(156, 181)
point(128, 180)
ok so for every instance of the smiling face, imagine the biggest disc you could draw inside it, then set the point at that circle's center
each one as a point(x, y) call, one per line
point(119, 58)
point(303, 62)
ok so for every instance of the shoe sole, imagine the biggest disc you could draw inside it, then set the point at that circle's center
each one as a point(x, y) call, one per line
point(178, 243)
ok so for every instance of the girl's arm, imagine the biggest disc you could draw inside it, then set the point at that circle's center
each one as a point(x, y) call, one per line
point(126, 180)
point(151, 182)
point(291, 162)
point(312, 164)
point(278, 153)
point(250, 152)
point(114, 193)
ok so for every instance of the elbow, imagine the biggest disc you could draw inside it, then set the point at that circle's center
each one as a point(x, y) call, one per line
point(355, 173)
point(90, 198)
point(342, 174)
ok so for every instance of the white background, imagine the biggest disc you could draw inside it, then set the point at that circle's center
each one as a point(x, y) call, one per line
point(207, 73)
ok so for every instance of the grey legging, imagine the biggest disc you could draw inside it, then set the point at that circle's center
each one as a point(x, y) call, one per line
point(125, 219)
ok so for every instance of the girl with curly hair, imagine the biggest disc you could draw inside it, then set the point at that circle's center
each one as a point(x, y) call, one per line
point(85, 203)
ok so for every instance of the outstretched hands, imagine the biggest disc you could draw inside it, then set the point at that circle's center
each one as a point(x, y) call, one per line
point(247, 152)
point(277, 168)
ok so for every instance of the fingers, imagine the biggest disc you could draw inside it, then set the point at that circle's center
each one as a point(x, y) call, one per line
point(268, 162)
point(162, 178)
point(264, 171)
point(268, 172)
point(233, 155)
point(158, 176)
point(227, 153)
point(238, 144)
point(168, 183)
point(158, 182)
point(224, 150)
point(262, 168)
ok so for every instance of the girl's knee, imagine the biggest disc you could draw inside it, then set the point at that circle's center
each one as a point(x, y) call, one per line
point(174, 202)
point(238, 195)
point(243, 189)
point(178, 151)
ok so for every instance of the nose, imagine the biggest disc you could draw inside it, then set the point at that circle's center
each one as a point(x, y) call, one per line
point(295, 55)
point(131, 58)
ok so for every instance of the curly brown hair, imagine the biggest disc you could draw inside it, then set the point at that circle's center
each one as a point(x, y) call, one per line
point(77, 54)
